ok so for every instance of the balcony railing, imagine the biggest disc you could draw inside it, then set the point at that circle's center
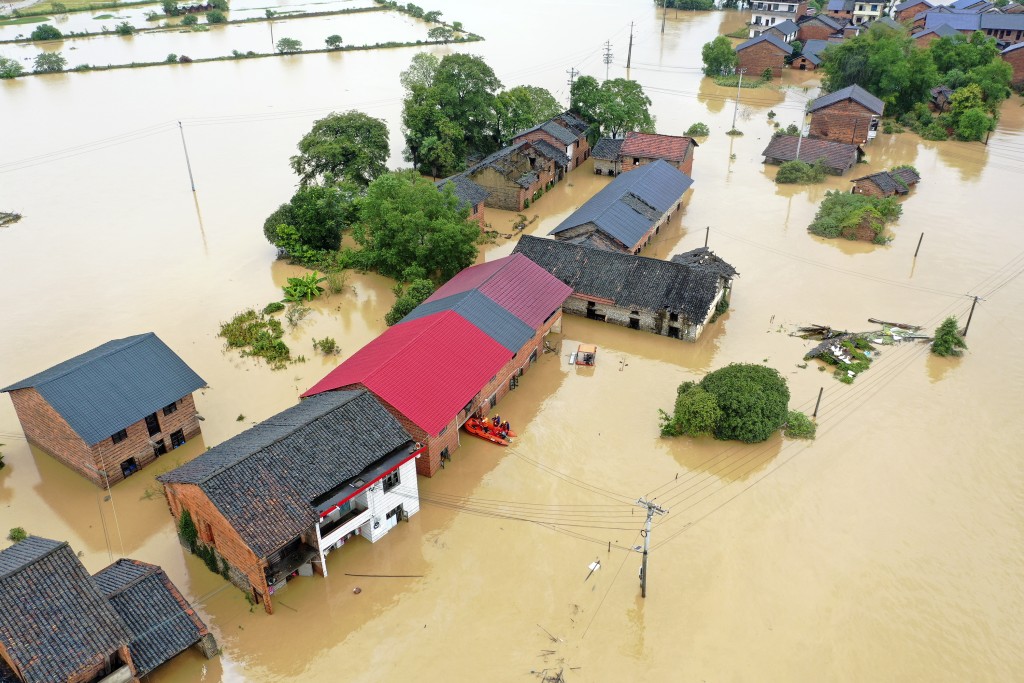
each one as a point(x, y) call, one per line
point(330, 533)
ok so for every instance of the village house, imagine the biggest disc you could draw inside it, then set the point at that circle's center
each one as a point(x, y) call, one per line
point(924, 37)
point(1007, 28)
point(886, 183)
point(275, 500)
point(849, 115)
point(673, 298)
point(58, 624)
point(908, 10)
point(786, 31)
point(764, 14)
point(810, 57)
point(471, 196)
point(110, 411)
point(836, 157)
point(613, 156)
point(457, 354)
point(1014, 56)
point(819, 27)
point(886, 21)
point(765, 53)
point(940, 95)
point(856, 11)
point(566, 132)
point(515, 175)
point(629, 211)
point(840, 9)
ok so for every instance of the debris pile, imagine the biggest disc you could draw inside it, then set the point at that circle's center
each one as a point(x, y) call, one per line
point(851, 353)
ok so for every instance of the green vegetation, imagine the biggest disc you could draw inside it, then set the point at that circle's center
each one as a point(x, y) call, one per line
point(948, 340)
point(215, 16)
point(258, 336)
point(286, 45)
point(23, 20)
point(313, 218)
point(694, 5)
point(326, 346)
point(333, 42)
point(190, 20)
point(337, 281)
point(409, 297)
point(296, 313)
point(124, 29)
point(696, 413)
point(521, 107)
point(719, 57)
point(800, 173)
point(698, 130)
point(443, 34)
point(848, 215)
point(49, 62)
point(613, 108)
point(17, 534)
point(741, 33)
point(304, 288)
point(240, 418)
point(799, 426)
point(209, 557)
point(350, 146)
point(46, 32)
point(187, 531)
point(9, 68)
point(855, 352)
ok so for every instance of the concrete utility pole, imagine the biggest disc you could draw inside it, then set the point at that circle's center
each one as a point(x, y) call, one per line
point(664, 15)
point(629, 53)
point(800, 134)
point(188, 163)
point(970, 315)
point(652, 509)
point(607, 57)
point(738, 86)
point(573, 73)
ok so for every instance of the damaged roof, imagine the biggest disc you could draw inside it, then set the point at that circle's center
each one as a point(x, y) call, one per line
point(469, 193)
point(607, 149)
point(838, 156)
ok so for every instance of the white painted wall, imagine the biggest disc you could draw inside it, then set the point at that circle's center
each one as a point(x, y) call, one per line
point(406, 494)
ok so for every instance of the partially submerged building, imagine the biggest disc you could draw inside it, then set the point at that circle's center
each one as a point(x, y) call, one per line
point(886, 183)
point(764, 53)
point(673, 298)
point(765, 13)
point(514, 175)
point(849, 115)
point(58, 624)
point(629, 211)
point(471, 196)
point(836, 157)
point(110, 411)
point(613, 156)
point(566, 132)
point(1014, 56)
point(274, 501)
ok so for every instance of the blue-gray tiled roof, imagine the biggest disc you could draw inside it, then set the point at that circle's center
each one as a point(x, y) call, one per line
point(851, 92)
point(494, 320)
point(659, 185)
point(786, 27)
point(907, 4)
point(469, 193)
point(777, 42)
point(551, 152)
point(607, 148)
point(942, 30)
point(102, 391)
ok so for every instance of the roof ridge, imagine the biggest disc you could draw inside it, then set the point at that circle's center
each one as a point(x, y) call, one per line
point(136, 339)
point(51, 551)
point(151, 570)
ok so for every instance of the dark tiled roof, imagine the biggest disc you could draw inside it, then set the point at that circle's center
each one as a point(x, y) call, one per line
point(54, 621)
point(944, 90)
point(469, 193)
point(968, 4)
point(553, 128)
point(838, 156)
point(890, 181)
point(850, 92)
point(574, 121)
point(830, 22)
point(659, 185)
point(632, 282)
point(500, 161)
point(264, 479)
point(942, 31)
point(656, 146)
point(607, 149)
point(840, 5)
point(496, 322)
point(702, 257)
point(997, 21)
point(160, 621)
point(545, 148)
point(910, 3)
point(960, 22)
point(102, 391)
point(889, 22)
point(786, 28)
point(813, 49)
point(782, 45)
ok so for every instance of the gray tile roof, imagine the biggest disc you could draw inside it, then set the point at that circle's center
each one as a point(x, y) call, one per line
point(960, 22)
point(850, 92)
point(160, 620)
point(54, 622)
point(1017, 46)
point(495, 321)
point(777, 42)
point(566, 133)
point(264, 479)
point(813, 49)
point(787, 27)
point(837, 156)
point(613, 210)
point(910, 3)
point(574, 121)
point(889, 181)
point(104, 390)
point(545, 148)
point(607, 148)
point(942, 30)
point(631, 282)
point(887, 21)
point(831, 22)
point(998, 21)
point(469, 193)
point(702, 257)
point(840, 5)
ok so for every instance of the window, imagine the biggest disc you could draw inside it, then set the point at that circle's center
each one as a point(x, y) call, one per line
point(443, 430)
point(159, 449)
point(120, 436)
point(178, 438)
point(171, 408)
point(673, 317)
point(533, 356)
point(636, 160)
point(476, 209)
point(398, 511)
point(391, 481)
point(152, 424)
point(129, 467)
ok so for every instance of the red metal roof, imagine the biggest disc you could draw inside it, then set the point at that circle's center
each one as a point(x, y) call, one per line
point(655, 146)
point(428, 369)
point(515, 283)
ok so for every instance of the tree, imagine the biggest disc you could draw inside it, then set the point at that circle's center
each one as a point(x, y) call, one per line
point(124, 29)
point(49, 62)
point(215, 16)
point(623, 107)
point(222, 5)
point(754, 401)
point(432, 16)
point(467, 88)
point(994, 81)
point(420, 72)
point(973, 124)
point(961, 52)
point(333, 41)
point(522, 107)
point(189, 20)
point(442, 33)
point(696, 412)
point(171, 8)
point(46, 32)
point(288, 45)
point(283, 215)
point(317, 214)
point(9, 68)
point(409, 297)
point(948, 340)
point(719, 57)
point(59, 7)
point(967, 113)
point(585, 97)
point(404, 221)
point(351, 146)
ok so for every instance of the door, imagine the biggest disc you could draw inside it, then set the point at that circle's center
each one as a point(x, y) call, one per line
point(152, 424)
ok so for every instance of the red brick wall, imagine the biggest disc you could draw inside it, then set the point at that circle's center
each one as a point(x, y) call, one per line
point(844, 121)
point(756, 58)
point(813, 30)
point(581, 150)
point(1016, 60)
point(911, 12)
point(477, 217)
point(804, 64)
point(867, 187)
point(925, 40)
point(686, 165)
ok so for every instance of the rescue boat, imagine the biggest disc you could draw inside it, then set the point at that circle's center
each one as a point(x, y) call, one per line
point(485, 430)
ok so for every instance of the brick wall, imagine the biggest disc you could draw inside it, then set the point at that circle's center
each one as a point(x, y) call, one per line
point(804, 64)
point(911, 12)
point(504, 194)
point(476, 215)
point(813, 30)
point(686, 165)
point(1016, 60)
point(925, 40)
point(606, 167)
point(756, 58)
point(844, 121)
point(869, 188)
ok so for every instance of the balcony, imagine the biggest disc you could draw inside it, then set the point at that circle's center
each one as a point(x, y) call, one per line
point(289, 560)
point(335, 530)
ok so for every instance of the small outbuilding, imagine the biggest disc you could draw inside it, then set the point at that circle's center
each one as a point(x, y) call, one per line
point(764, 53)
point(898, 181)
point(848, 115)
point(637, 149)
point(471, 196)
point(819, 27)
point(836, 157)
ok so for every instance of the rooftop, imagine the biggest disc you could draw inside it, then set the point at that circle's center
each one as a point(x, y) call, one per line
point(850, 92)
point(607, 149)
point(766, 37)
point(838, 156)
point(469, 193)
point(907, 4)
point(897, 181)
point(656, 146)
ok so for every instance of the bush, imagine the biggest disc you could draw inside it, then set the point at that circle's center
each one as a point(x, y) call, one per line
point(184, 59)
point(9, 68)
point(187, 531)
point(215, 16)
point(189, 20)
point(49, 62)
point(17, 534)
point(286, 45)
point(333, 41)
point(948, 341)
point(935, 131)
point(337, 281)
point(171, 8)
point(696, 412)
point(800, 172)
point(124, 29)
point(327, 346)
point(409, 297)
point(257, 336)
point(305, 288)
point(273, 307)
point(841, 214)
point(221, 5)
point(698, 130)
point(754, 401)
point(46, 32)
point(171, 58)
point(296, 313)
point(799, 426)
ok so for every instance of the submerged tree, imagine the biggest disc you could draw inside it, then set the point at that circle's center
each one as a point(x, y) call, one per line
point(521, 107)
point(615, 107)
point(719, 57)
point(351, 146)
point(948, 340)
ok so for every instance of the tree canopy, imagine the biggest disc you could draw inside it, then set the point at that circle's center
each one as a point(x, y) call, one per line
point(351, 146)
point(719, 57)
point(521, 107)
point(614, 107)
point(948, 340)
point(754, 401)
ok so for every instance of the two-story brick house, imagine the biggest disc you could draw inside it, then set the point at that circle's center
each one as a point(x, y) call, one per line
point(764, 53)
point(566, 132)
point(110, 411)
point(849, 115)
point(908, 10)
point(514, 175)
point(613, 156)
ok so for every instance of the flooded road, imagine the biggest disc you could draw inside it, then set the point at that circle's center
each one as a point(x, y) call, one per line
point(889, 549)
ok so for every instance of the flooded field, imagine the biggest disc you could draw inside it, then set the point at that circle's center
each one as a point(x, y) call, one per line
point(889, 549)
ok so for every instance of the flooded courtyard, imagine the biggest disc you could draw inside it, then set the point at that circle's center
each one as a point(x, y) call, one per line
point(888, 549)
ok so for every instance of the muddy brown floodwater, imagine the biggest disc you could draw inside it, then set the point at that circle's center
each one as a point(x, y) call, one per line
point(888, 549)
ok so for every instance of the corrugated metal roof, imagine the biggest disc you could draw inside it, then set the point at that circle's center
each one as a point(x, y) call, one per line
point(850, 92)
point(496, 322)
point(658, 184)
point(428, 369)
point(104, 390)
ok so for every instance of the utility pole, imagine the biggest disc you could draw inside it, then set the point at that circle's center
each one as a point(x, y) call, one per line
point(629, 53)
point(664, 15)
point(970, 315)
point(573, 73)
point(800, 135)
point(188, 163)
point(607, 57)
point(652, 509)
point(707, 233)
point(738, 86)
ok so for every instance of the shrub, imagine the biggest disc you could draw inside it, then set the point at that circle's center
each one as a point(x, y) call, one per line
point(46, 32)
point(124, 29)
point(305, 288)
point(187, 531)
point(296, 314)
point(696, 412)
point(337, 281)
point(17, 534)
point(935, 131)
point(286, 45)
point(767, 74)
point(841, 214)
point(9, 68)
point(754, 401)
point(409, 297)
point(698, 130)
point(800, 172)
point(184, 59)
point(791, 129)
point(333, 41)
point(49, 62)
point(215, 16)
point(221, 5)
point(171, 58)
point(257, 335)
point(799, 426)
point(948, 341)
point(327, 346)
point(189, 20)
point(273, 307)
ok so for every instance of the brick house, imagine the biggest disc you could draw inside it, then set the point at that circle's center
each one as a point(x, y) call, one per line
point(811, 56)
point(638, 149)
point(849, 115)
point(1007, 28)
point(764, 14)
point(629, 211)
point(886, 183)
point(762, 53)
point(111, 410)
point(275, 500)
point(471, 196)
point(58, 624)
point(909, 9)
point(1014, 56)
point(819, 27)
point(836, 157)
point(458, 353)
point(924, 37)
point(566, 132)
point(673, 298)
point(515, 175)
point(840, 9)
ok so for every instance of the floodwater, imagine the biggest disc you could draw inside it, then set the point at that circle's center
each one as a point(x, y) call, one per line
point(889, 549)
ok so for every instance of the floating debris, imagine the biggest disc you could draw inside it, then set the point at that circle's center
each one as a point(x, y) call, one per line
point(851, 353)
point(8, 218)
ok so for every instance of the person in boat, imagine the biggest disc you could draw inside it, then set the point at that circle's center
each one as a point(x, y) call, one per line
point(496, 420)
point(506, 427)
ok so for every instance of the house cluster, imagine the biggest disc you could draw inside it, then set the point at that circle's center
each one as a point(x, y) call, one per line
point(59, 624)
point(515, 175)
